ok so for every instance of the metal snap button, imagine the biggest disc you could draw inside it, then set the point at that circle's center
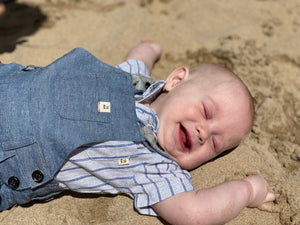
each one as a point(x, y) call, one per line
point(37, 176)
point(147, 84)
point(13, 182)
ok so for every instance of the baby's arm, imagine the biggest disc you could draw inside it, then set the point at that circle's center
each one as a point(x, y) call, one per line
point(147, 52)
point(216, 205)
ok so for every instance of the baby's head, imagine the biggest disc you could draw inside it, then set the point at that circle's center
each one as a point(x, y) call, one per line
point(202, 113)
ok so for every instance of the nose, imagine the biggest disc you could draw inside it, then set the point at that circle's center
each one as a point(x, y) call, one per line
point(202, 133)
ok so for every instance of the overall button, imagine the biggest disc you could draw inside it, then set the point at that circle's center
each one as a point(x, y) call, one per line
point(13, 182)
point(37, 176)
point(147, 84)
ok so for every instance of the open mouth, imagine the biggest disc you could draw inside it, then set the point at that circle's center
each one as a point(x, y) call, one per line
point(185, 140)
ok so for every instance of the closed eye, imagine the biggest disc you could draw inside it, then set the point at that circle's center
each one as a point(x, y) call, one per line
point(206, 112)
point(214, 143)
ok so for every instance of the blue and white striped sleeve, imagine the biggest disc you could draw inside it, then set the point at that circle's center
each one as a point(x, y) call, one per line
point(158, 182)
point(134, 66)
point(125, 167)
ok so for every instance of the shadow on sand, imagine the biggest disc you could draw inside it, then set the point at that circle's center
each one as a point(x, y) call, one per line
point(19, 20)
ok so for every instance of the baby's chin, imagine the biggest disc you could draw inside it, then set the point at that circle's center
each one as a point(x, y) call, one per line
point(188, 167)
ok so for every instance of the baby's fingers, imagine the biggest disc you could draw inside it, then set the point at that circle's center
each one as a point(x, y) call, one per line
point(269, 207)
point(270, 197)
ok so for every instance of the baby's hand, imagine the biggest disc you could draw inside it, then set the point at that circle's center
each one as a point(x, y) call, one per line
point(260, 193)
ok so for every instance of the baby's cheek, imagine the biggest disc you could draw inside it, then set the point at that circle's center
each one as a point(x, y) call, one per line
point(206, 155)
point(198, 159)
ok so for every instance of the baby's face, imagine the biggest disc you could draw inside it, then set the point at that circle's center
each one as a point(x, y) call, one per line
point(200, 120)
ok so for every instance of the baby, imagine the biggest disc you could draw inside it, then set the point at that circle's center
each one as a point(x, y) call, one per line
point(194, 116)
point(202, 113)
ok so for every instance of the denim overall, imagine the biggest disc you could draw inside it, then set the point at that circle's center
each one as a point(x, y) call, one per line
point(46, 113)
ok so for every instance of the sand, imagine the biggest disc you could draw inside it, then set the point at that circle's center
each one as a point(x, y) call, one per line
point(258, 40)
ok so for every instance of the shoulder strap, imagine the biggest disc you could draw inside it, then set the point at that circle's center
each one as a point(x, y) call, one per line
point(140, 84)
point(151, 142)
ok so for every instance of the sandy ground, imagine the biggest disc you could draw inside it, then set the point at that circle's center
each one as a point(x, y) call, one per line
point(258, 40)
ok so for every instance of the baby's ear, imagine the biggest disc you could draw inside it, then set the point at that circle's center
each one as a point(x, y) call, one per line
point(178, 75)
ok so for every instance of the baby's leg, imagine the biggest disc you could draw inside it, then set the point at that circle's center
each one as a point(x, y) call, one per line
point(147, 52)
